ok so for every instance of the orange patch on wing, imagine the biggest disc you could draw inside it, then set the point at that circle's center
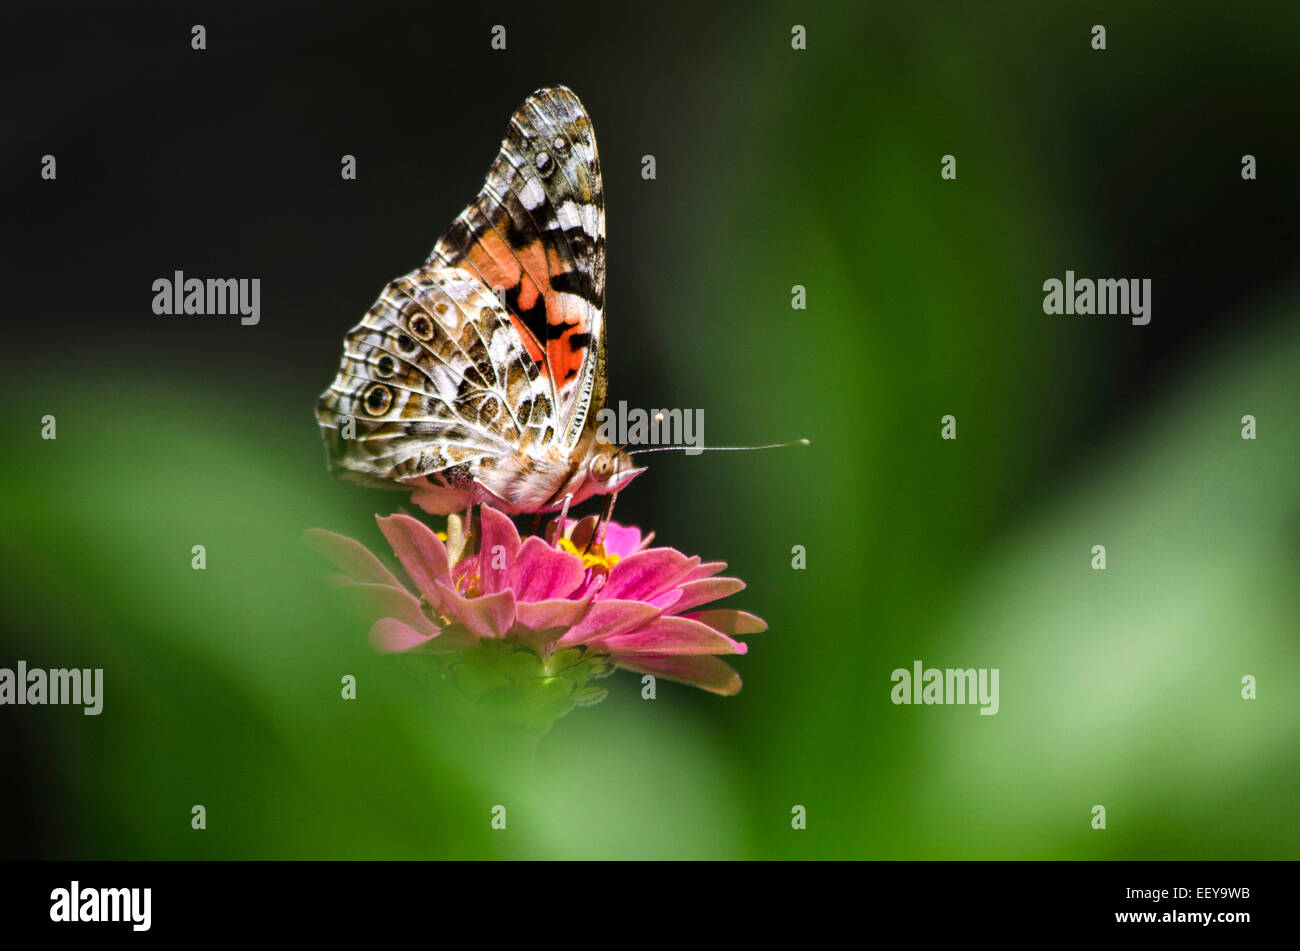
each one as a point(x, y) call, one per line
point(561, 311)
point(502, 266)
point(560, 355)
point(497, 265)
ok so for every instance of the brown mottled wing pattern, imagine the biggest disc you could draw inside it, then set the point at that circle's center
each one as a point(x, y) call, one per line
point(434, 379)
point(536, 234)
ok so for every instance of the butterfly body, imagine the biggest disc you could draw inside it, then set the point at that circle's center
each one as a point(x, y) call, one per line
point(530, 483)
point(476, 377)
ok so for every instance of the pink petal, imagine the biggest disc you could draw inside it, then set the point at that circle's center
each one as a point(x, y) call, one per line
point(590, 586)
point(695, 593)
point(621, 540)
point(383, 600)
point(542, 572)
point(550, 614)
point(666, 600)
point(706, 570)
point(350, 557)
point(672, 635)
point(703, 671)
point(641, 576)
point(391, 636)
point(420, 551)
point(487, 616)
point(729, 621)
point(497, 530)
point(608, 619)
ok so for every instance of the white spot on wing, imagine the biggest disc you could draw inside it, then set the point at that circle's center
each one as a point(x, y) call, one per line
point(573, 215)
point(532, 194)
point(569, 216)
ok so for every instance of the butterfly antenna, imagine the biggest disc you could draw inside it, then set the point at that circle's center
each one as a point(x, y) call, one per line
point(775, 445)
point(658, 421)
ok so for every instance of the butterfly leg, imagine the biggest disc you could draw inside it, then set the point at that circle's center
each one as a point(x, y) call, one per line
point(559, 523)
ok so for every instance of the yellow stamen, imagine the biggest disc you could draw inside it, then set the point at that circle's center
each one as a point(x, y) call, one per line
point(594, 557)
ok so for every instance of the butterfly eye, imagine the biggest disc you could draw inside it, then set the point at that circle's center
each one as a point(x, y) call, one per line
point(602, 467)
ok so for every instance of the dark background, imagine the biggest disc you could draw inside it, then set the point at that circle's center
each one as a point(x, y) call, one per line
point(227, 161)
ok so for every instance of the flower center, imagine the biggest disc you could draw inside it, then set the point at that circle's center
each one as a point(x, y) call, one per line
point(593, 557)
point(467, 578)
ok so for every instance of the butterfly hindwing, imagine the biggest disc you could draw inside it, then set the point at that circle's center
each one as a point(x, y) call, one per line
point(433, 378)
point(536, 234)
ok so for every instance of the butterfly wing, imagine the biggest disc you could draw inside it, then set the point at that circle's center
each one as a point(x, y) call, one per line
point(495, 346)
point(434, 378)
point(536, 235)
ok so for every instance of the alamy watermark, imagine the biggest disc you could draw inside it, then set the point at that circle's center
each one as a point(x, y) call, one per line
point(215, 296)
point(929, 685)
point(75, 904)
point(656, 427)
point(57, 686)
point(1106, 296)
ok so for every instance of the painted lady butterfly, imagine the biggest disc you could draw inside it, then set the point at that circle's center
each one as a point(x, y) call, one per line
point(478, 376)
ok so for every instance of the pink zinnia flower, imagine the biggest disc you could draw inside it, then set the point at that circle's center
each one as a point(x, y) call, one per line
point(544, 617)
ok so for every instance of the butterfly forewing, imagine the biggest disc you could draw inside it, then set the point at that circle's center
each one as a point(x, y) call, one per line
point(536, 233)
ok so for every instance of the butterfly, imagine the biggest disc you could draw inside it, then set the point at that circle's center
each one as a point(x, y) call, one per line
point(477, 377)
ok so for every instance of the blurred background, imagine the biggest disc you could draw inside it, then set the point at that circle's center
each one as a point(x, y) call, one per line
point(775, 167)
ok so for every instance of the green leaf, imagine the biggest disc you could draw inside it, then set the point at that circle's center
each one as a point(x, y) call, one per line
point(521, 665)
point(590, 696)
point(543, 691)
point(476, 679)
